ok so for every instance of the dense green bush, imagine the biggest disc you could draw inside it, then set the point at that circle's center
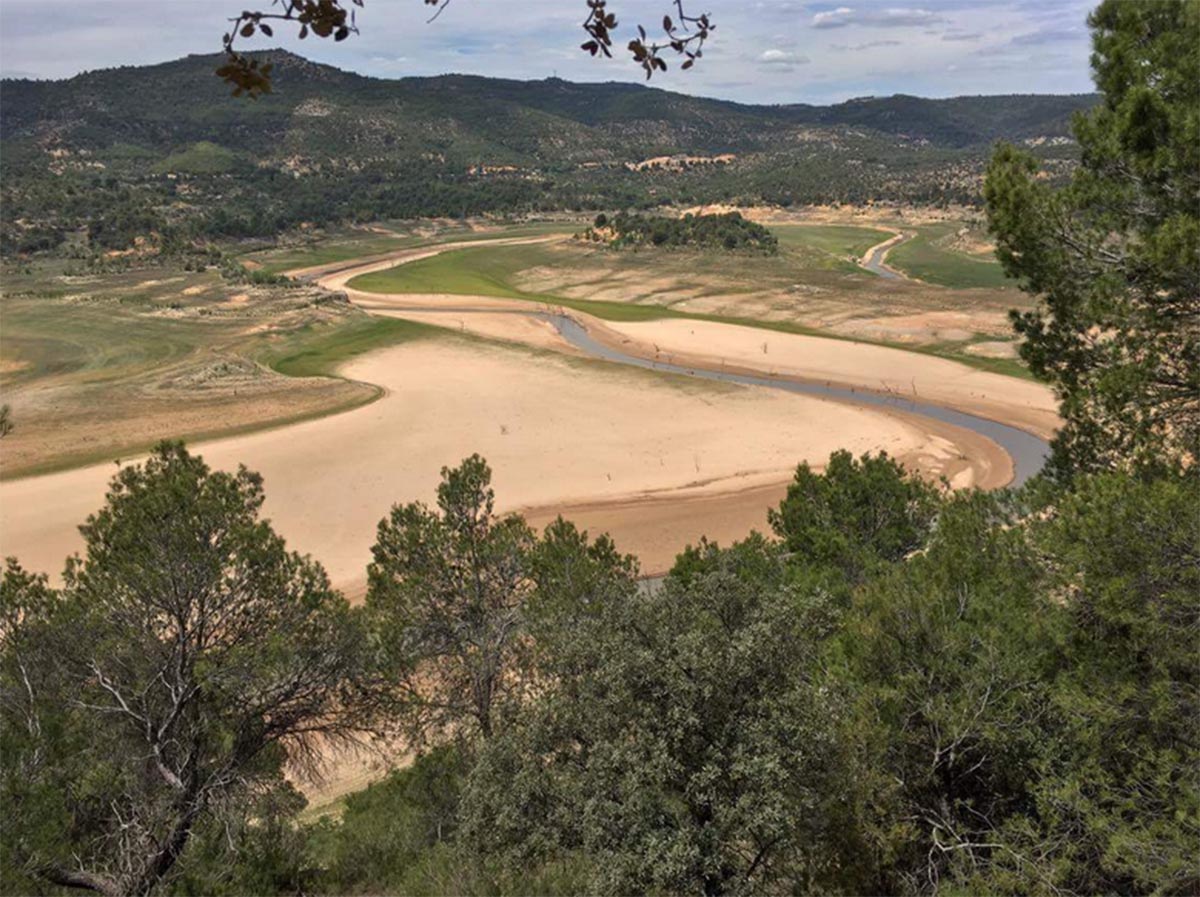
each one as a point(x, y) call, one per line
point(856, 515)
point(952, 693)
point(729, 232)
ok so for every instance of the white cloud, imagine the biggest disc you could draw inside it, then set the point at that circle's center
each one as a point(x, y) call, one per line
point(782, 57)
point(834, 18)
point(780, 61)
point(894, 17)
point(869, 45)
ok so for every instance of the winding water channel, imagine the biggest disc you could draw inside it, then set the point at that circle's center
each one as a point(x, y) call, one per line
point(1028, 452)
point(874, 261)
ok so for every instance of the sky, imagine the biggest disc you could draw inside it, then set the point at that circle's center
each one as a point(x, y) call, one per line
point(762, 51)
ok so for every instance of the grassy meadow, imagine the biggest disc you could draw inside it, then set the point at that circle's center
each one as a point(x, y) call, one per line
point(835, 246)
point(930, 256)
point(105, 365)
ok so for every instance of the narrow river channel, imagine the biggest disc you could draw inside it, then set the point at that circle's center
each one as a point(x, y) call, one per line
point(1028, 452)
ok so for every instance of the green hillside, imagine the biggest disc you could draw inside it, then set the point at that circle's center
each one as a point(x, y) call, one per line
point(163, 149)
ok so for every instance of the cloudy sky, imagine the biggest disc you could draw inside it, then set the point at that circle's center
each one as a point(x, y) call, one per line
point(762, 50)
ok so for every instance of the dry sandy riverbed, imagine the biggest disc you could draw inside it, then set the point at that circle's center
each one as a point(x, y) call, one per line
point(1021, 403)
point(656, 460)
point(1026, 404)
point(653, 459)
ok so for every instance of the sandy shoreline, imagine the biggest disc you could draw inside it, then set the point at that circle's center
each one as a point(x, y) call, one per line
point(560, 433)
point(1025, 404)
point(655, 460)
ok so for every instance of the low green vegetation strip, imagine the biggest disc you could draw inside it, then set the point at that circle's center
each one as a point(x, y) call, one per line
point(841, 244)
point(487, 271)
point(93, 341)
point(316, 352)
point(474, 272)
point(353, 245)
point(926, 258)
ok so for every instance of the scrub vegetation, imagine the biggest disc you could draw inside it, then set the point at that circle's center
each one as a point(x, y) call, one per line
point(719, 233)
point(892, 687)
point(896, 688)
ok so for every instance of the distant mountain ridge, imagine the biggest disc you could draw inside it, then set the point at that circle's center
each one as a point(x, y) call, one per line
point(132, 91)
point(348, 145)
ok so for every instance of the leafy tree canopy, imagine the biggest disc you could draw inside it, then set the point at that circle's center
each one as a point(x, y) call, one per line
point(728, 232)
point(448, 590)
point(1115, 255)
point(683, 745)
point(856, 515)
point(188, 658)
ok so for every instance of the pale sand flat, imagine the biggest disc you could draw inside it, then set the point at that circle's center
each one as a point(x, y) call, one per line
point(558, 433)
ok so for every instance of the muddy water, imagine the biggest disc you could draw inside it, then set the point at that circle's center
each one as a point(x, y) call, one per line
point(874, 260)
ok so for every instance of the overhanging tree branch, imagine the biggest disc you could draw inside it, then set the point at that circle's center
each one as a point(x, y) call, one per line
point(683, 34)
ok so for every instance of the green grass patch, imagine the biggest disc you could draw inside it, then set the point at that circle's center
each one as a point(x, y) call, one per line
point(474, 272)
point(275, 261)
point(201, 158)
point(841, 245)
point(355, 245)
point(926, 258)
point(95, 342)
point(488, 271)
point(463, 272)
point(318, 352)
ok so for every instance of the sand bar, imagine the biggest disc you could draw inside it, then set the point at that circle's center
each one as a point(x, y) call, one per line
point(656, 460)
point(560, 433)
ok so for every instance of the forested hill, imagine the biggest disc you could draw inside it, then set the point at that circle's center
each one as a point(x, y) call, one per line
point(550, 120)
point(351, 146)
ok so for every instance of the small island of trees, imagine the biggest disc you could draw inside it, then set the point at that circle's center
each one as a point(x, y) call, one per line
point(729, 232)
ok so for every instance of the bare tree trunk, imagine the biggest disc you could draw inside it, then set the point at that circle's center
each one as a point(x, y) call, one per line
point(86, 881)
point(161, 863)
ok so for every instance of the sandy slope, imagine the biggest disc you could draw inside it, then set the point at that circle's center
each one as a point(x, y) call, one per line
point(1026, 404)
point(1021, 403)
point(561, 434)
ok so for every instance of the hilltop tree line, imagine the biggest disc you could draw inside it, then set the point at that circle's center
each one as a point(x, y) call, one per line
point(121, 209)
point(100, 159)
